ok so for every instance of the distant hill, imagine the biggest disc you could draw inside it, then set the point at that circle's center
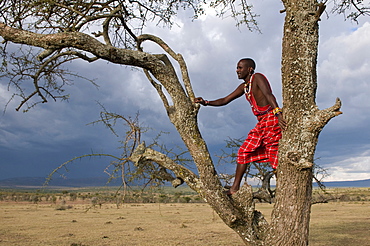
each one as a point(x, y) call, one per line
point(56, 182)
point(355, 183)
point(34, 182)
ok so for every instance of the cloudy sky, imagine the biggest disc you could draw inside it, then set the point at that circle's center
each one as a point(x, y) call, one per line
point(33, 144)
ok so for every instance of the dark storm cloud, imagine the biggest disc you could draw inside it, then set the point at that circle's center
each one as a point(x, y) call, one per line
point(36, 142)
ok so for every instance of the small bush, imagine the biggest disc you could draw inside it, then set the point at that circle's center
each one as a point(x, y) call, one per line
point(63, 207)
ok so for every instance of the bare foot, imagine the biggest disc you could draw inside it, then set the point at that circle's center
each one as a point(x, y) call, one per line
point(230, 192)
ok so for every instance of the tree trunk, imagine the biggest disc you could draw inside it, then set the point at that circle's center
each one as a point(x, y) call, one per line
point(291, 214)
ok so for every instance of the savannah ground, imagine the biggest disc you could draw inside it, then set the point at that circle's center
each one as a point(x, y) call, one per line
point(343, 221)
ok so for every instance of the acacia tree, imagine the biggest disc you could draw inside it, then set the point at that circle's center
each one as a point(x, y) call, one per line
point(61, 31)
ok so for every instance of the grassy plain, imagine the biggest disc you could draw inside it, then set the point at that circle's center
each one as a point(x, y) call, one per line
point(79, 223)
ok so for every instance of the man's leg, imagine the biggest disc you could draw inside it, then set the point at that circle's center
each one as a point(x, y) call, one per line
point(239, 173)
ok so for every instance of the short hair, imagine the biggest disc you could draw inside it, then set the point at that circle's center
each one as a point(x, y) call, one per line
point(250, 62)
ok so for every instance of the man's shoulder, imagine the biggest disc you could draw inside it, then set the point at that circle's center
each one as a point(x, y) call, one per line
point(260, 77)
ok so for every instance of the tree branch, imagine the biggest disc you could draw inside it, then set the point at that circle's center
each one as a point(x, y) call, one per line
point(143, 154)
point(185, 77)
point(45, 54)
point(177, 57)
point(320, 9)
point(28, 98)
point(158, 87)
point(322, 117)
point(106, 26)
point(265, 193)
point(46, 68)
point(80, 41)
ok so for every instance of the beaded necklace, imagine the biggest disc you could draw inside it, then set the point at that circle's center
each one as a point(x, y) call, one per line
point(247, 88)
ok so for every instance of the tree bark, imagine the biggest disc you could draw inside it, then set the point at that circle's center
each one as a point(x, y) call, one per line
point(291, 214)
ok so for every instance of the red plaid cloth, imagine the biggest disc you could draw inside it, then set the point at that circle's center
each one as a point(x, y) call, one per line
point(262, 142)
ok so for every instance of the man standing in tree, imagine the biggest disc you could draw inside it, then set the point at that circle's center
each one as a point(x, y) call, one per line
point(261, 145)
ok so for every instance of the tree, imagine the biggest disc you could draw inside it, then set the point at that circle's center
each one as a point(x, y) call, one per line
point(60, 32)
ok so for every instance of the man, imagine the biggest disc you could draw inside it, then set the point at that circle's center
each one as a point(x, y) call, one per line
point(262, 142)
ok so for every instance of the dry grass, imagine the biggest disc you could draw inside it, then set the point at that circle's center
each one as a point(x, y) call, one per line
point(133, 224)
point(336, 224)
point(340, 224)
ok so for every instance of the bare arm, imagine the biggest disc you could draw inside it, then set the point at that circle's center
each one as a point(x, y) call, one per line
point(238, 92)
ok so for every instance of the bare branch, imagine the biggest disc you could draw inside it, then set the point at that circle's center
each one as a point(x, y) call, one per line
point(80, 55)
point(185, 77)
point(344, 6)
point(323, 116)
point(64, 165)
point(106, 27)
point(158, 87)
point(79, 41)
point(177, 57)
point(143, 154)
point(265, 193)
point(45, 54)
point(242, 13)
point(157, 40)
point(26, 99)
point(123, 22)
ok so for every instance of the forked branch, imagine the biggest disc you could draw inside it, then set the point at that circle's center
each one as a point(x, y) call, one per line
point(178, 57)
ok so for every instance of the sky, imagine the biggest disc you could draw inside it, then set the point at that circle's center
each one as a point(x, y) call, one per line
point(33, 144)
